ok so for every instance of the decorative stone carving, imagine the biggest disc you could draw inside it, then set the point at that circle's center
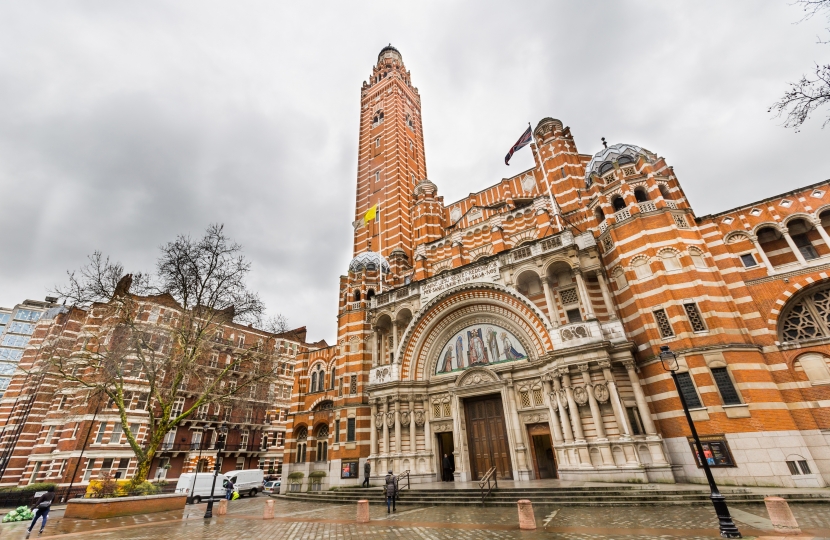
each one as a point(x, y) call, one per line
point(563, 398)
point(574, 332)
point(379, 421)
point(443, 426)
point(381, 375)
point(582, 367)
point(535, 418)
point(390, 419)
point(405, 418)
point(601, 392)
point(554, 403)
point(419, 418)
point(580, 395)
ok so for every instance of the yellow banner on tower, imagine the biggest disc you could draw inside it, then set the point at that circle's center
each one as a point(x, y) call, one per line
point(371, 214)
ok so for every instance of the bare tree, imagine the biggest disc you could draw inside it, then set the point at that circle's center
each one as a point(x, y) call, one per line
point(811, 92)
point(276, 324)
point(166, 340)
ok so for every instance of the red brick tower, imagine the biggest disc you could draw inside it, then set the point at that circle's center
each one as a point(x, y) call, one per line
point(390, 156)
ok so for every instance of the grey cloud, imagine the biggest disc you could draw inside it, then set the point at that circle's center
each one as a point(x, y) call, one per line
point(122, 125)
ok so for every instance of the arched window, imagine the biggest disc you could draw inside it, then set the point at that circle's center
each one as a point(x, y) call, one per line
point(670, 261)
point(640, 194)
point(697, 259)
point(664, 191)
point(619, 279)
point(816, 367)
point(322, 442)
point(302, 436)
point(357, 295)
point(331, 379)
point(599, 214)
point(314, 382)
point(641, 268)
point(807, 316)
point(618, 203)
point(370, 294)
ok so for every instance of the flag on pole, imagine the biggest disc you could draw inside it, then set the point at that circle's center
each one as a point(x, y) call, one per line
point(523, 141)
point(371, 214)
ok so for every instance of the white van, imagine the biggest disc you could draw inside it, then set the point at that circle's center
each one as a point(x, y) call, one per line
point(247, 482)
point(201, 488)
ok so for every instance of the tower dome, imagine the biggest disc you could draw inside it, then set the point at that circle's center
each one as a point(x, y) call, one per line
point(390, 52)
point(622, 153)
point(368, 260)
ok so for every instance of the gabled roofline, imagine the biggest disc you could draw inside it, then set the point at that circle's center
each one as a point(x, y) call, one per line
point(790, 193)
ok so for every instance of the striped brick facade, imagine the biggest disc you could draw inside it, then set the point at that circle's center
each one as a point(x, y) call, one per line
point(588, 264)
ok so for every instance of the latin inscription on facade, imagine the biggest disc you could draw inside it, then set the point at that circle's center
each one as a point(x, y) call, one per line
point(481, 273)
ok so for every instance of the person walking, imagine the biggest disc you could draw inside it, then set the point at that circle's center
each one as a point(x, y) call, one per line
point(42, 505)
point(446, 464)
point(229, 491)
point(391, 491)
point(367, 471)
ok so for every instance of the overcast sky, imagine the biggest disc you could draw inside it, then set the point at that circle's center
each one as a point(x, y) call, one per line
point(124, 124)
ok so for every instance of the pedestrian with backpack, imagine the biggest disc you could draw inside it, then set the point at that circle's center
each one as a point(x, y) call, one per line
point(391, 488)
point(41, 506)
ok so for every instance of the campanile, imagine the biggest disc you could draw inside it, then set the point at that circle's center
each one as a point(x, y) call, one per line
point(390, 157)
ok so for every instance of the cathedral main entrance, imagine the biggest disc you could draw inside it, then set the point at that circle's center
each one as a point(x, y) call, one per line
point(487, 436)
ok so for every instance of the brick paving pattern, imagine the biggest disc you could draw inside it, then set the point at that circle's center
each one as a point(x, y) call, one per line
point(310, 520)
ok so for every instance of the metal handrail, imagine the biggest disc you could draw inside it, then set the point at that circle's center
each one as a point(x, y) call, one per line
point(491, 475)
point(398, 479)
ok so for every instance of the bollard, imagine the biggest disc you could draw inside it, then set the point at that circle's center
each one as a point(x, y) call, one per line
point(527, 521)
point(783, 520)
point(223, 507)
point(363, 511)
point(268, 513)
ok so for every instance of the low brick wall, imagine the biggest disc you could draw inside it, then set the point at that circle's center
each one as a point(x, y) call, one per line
point(123, 506)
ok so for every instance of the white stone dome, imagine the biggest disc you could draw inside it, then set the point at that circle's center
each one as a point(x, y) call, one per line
point(369, 261)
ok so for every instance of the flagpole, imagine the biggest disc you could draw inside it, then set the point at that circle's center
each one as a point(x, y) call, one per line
point(554, 206)
point(380, 248)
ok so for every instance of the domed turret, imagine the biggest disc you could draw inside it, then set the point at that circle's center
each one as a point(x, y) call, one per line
point(368, 260)
point(390, 52)
point(603, 161)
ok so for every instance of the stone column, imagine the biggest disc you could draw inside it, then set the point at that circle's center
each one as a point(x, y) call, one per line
point(457, 439)
point(394, 341)
point(583, 293)
point(552, 314)
point(373, 435)
point(822, 231)
point(640, 398)
point(521, 458)
point(385, 426)
point(427, 430)
point(567, 432)
point(412, 424)
point(554, 413)
point(797, 252)
point(762, 254)
point(616, 402)
point(375, 346)
point(398, 445)
point(576, 422)
point(596, 414)
point(606, 296)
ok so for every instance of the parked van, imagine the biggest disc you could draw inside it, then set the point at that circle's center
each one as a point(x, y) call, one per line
point(247, 482)
point(201, 489)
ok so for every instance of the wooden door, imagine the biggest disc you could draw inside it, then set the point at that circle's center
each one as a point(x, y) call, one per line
point(487, 435)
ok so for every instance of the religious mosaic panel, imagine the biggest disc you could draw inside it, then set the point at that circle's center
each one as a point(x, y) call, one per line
point(479, 345)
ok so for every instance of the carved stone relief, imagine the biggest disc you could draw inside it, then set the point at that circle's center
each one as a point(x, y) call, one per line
point(443, 426)
point(580, 395)
point(601, 392)
point(390, 419)
point(535, 418)
point(419, 418)
point(379, 421)
point(405, 418)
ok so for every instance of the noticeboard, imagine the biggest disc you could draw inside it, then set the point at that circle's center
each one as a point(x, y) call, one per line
point(348, 469)
point(715, 449)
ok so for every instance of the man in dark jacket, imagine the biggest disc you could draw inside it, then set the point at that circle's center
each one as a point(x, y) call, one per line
point(391, 491)
point(446, 464)
point(41, 506)
point(367, 471)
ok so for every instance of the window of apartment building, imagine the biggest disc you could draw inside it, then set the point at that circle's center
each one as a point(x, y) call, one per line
point(115, 436)
point(214, 360)
point(337, 431)
point(232, 386)
point(228, 413)
point(27, 315)
point(726, 387)
point(49, 435)
point(196, 440)
point(694, 316)
point(281, 439)
point(169, 440)
point(663, 324)
point(243, 440)
point(90, 464)
point(135, 429)
point(249, 414)
point(350, 430)
point(106, 465)
point(123, 465)
point(241, 342)
point(687, 386)
point(252, 391)
point(748, 260)
point(102, 427)
point(21, 328)
point(177, 408)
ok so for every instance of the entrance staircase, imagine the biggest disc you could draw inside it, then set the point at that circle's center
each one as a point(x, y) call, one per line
point(558, 496)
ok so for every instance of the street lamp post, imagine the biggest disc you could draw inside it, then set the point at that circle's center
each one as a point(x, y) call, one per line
point(727, 526)
point(196, 472)
point(220, 443)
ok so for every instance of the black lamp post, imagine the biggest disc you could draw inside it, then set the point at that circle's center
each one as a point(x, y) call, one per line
point(196, 473)
point(220, 443)
point(727, 526)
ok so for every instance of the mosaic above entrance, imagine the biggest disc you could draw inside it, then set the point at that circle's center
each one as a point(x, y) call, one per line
point(479, 345)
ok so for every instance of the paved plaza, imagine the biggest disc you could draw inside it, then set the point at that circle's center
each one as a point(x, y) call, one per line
point(310, 520)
